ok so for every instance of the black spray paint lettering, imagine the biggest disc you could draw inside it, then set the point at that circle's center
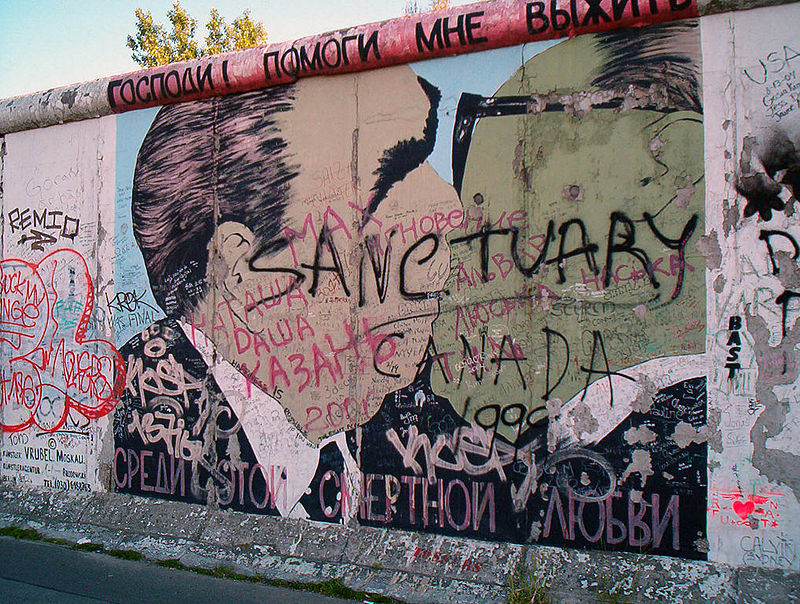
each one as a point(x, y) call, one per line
point(442, 30)
point(597, 346)
point(128, 301)
point(621, 240)
point(42, 227)
point(784, 299)
point(327, 54)
point(735, 346)
point(160, 87)
point(539, 18)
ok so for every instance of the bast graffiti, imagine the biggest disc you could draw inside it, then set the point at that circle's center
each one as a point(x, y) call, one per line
point(526, 295)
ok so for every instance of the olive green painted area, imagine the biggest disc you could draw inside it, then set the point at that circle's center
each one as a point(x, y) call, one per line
point(593, 174)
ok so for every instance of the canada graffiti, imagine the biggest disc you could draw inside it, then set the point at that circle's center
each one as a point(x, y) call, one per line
point(50, 367)
point(498, 345)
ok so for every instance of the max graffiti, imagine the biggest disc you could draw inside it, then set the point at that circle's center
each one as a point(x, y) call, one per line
point(50, 368)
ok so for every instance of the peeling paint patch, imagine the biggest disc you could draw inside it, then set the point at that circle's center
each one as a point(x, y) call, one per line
point(585, 420)
point(572, 193)
point(536, 531)
point(730, 217)
point(683, 195)
point(713, 433)
point(749, 143)
point(686, 434)
point(708, 246)
point(655, 145)
point(640, 312)
point(788, 271)
point(641, 435)
point(641, 464)
point(644, 400)
point(68, 96)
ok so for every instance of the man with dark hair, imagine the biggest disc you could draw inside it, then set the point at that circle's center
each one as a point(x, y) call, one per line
point(200, 164)
point(582, 179)
point(279, 229)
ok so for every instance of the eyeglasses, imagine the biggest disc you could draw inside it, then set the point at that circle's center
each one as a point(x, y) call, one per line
point(472, 107)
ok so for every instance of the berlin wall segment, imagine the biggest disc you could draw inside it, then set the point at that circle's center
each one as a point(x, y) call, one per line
point(545, 294)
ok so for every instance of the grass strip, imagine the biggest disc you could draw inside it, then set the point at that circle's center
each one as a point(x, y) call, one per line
point(336, 588)
point(125, 554)
point(20, 533)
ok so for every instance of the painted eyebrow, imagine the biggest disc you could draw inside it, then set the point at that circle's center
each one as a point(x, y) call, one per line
point(407, 155)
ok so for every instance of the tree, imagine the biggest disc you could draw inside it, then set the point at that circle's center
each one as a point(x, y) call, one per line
point(242, 33)
point(412, 6)
point(152, 45)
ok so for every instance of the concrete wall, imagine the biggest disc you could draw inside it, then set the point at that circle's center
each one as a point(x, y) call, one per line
point(536, 294)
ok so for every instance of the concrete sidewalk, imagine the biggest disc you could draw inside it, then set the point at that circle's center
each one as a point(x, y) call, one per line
point(33, 572)
point(411, 567)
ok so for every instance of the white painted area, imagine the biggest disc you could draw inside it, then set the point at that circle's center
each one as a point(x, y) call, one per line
point(58, 192)
point(745, 66)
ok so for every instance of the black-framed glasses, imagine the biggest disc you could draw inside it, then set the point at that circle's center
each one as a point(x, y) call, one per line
point(472, 107)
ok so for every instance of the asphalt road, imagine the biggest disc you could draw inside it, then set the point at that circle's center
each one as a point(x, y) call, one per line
point(36, 572)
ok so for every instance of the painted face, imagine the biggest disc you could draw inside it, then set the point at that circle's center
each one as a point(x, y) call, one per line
point(579, 190)
point(342, 314)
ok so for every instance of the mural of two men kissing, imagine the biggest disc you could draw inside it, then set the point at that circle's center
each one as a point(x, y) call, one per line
point(496, 346)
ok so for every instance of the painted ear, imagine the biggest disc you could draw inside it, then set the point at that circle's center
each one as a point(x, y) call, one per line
point(233, 243)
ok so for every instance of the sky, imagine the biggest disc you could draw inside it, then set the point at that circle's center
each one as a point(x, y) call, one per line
point(49, 43)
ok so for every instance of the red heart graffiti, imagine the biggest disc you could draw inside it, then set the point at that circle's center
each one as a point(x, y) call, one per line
point(743, 509)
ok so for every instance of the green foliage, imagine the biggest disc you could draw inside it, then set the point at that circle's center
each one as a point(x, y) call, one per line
point(153, 45)
point(20, 533)
point(58, 541)
point(336, 588)
point(125, 554)
point(88, 547)
point(529, 584)
point(182, 43)
point(173, 563)
point(242, 33)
